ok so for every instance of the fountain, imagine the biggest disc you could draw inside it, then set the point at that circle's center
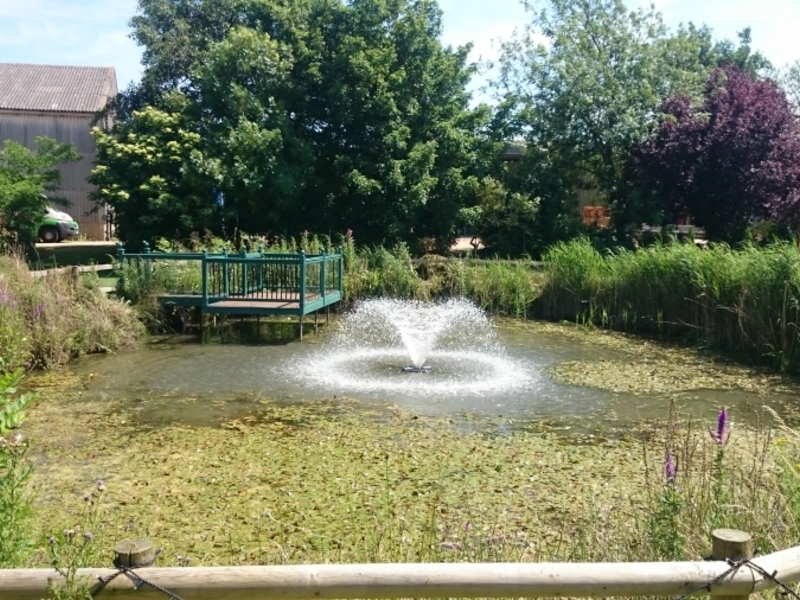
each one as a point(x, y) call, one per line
point(383, 341)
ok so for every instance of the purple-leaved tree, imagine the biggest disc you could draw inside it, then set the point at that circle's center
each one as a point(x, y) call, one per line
point(728, 161)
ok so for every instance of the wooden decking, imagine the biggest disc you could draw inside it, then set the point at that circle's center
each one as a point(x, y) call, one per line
point(256, 303)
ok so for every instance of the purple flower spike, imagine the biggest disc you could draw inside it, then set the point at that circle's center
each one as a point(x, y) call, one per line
point(720, 436)
point(670, 470)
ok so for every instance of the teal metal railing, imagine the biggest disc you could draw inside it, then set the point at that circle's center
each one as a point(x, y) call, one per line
point(312, 281)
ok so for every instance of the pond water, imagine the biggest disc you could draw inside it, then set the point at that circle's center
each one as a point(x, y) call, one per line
point(503, 371)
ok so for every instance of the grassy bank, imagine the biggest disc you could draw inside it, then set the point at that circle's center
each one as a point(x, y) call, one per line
point(46, 321)
point(744, 301)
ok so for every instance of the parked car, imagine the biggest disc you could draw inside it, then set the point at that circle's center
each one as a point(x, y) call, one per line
point(55, 226)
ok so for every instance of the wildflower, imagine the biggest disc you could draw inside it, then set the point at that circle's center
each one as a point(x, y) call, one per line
point(37, 311)
point(720, 436)
point(68, 533)
point(88, 536)
point(467, 526)
point(86, 497)
point(100, 485)
point(670, 470)
point(51, 540)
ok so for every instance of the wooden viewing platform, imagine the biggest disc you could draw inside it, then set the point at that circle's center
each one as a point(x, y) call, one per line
point(246, 283)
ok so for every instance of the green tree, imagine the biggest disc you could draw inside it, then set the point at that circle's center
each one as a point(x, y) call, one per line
point(583, 84)
point(726, 52)
point(152, 171)
point(28, 181)
point(316, 115)
point(790, 81)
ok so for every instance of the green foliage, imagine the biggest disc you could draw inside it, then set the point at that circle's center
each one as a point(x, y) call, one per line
point(503, 219)
point(726, 52)
point(314, 115)
point(15, 470)
point(28, 180)
point(150, 170)
point(744, 301)
point(790, 81)
point(592, 90)
point(664, 532)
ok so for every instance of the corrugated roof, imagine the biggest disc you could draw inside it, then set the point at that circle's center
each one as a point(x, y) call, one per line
point(55, 88)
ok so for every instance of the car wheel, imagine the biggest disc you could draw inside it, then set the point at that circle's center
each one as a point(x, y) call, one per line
point(49, 235)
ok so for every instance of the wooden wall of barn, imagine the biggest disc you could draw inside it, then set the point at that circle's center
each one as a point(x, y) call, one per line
point(73, 128)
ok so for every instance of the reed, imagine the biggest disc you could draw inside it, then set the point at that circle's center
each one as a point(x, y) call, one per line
point(744, 300)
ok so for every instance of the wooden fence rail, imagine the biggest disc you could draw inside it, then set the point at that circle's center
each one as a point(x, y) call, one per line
point(75, 270)
point(415, 580)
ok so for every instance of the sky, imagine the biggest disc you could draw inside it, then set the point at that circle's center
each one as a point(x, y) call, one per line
point(95, 32)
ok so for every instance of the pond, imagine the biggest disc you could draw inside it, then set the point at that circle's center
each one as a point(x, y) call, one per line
point(521, 371)
point(524, 441)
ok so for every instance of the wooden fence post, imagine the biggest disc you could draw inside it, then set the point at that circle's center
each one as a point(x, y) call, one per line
point(731, 544)
point(137, 553)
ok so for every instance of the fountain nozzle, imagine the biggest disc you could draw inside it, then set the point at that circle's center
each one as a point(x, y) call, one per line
point(413, 369)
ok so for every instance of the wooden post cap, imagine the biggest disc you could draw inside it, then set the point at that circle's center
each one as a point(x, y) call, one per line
point(134, 553)
point(731, 543)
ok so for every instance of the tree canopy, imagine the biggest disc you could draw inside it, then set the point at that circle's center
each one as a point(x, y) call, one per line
point(315, 115)
point(582, 85)
point(326, 115)
point(731, 159)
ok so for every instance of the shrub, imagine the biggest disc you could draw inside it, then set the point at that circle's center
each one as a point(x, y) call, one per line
point(46, 321)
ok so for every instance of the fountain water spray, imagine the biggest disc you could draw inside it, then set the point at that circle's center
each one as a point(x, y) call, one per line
point(383, 340)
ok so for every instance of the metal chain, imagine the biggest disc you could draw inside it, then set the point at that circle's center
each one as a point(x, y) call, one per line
point(132, 571)
point(772, 577)
point(735, 564)
point(707, 586)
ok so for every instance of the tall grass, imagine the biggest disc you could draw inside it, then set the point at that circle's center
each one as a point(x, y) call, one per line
point(46, 321)
point(745, 301)
point(500, 287)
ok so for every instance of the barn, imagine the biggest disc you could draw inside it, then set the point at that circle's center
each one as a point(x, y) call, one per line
point(60, 102)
